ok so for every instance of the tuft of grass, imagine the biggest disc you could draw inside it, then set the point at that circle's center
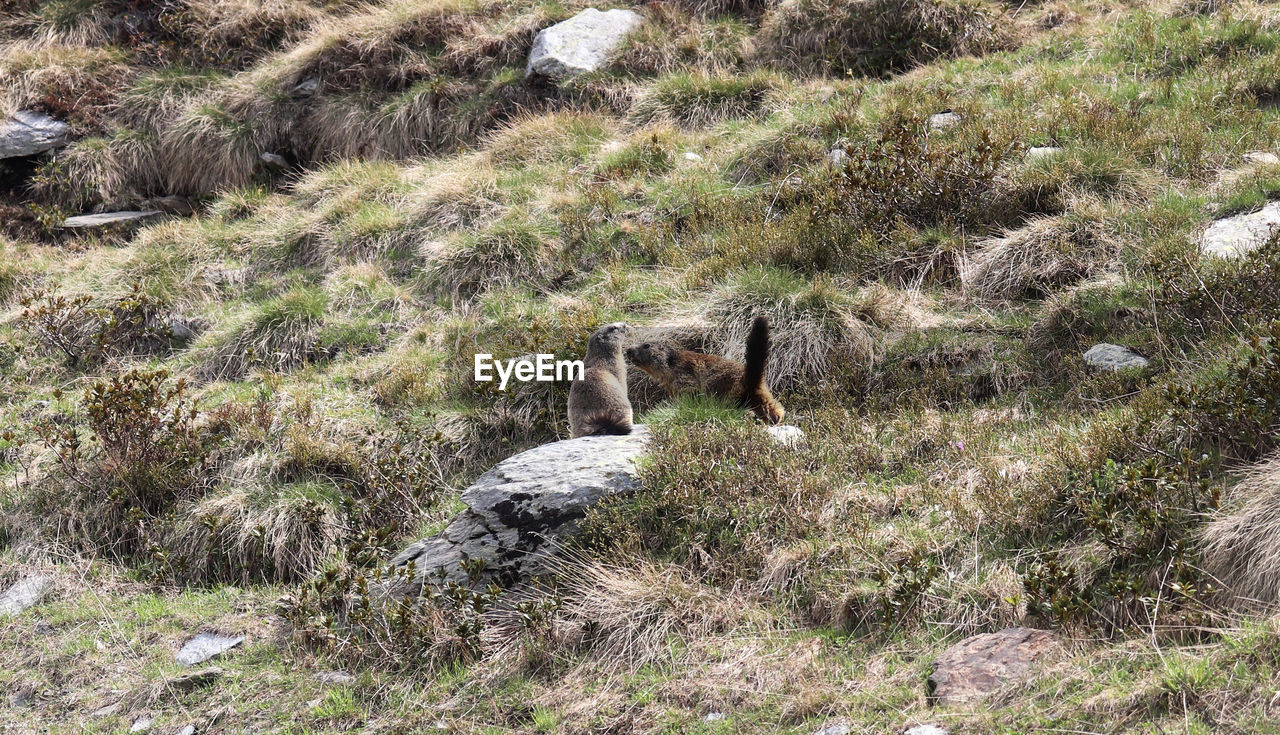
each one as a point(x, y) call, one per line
point(875, 37)
point(698, 100)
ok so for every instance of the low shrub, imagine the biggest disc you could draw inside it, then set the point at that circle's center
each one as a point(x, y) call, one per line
point(84, 332)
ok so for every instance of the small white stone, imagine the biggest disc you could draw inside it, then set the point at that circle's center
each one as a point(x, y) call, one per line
point(1266, 158)
point(944, 120)
point(108, 218)
point(691, 156)
point(24, 594)
point(1044, 151)
point(1106, 356)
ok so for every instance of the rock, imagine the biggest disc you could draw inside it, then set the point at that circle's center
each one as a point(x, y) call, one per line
point(517, 510)
point(27, 133)
point(334, 677)
point(839, 729)
point(1232, 237)
point(786, 434)
point(691, 156)
point(204, 646)
point(837, 157)
point(188, 730)
point(182, 329)
point(305, 88)
point(1043, 151)
point(22, 696)
point(274, 160)
point(944, 120)
point(25, 594)
point(981, 664)
point(226, 276)
point(196, 679)
point(925, 730)
point(580, 44)
point(108, 218)
point(142, 724)
point(715, 717)
point(1106, 356)
point(1265, 158)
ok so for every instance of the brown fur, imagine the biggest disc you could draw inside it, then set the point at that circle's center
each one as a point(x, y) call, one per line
point(681, 372)
point(598, 403)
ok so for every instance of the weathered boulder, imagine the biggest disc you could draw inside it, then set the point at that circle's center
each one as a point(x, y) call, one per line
point(204, 646)
point(580, 44)
point(518, 511)
point(84, 221)
point(25, 594)
point(1232, 237)
point(1262, 158)
point(981, 664)
point(1106, 356)
point(27, 133)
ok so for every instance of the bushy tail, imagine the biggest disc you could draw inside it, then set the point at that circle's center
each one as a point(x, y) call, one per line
point(605, 423)
point(756, 357)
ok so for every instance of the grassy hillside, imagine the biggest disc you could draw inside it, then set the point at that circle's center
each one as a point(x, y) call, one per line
point(227, 419)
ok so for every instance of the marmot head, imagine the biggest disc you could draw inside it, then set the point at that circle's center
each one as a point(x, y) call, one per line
point(650, 356)
point(607, 339)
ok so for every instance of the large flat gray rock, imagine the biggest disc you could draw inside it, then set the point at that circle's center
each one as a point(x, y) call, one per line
point(108, 218)
point(583, 43)
point(27, 133)
point(25, 594)
point(1232, 237)
point(517, 510)
point(204, 646)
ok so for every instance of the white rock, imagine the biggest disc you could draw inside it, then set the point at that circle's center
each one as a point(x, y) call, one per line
point(108, 218)
point(27, 133)
point(1265, 158)
point(580, 44)
point(944, 120)
point(786, 434)
point(1106, 356)
point(142, 724)
point(837, 157)
point(925, 730)
point(1043, 151)
point(691, 156)
point(275, 160)
point(715, 717)
point(1232, 237)
point(25, 594)
point(204, 646)
point(335, 677)
point(839, 729)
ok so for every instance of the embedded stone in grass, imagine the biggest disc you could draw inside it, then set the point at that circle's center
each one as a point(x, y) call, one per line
point(787, 435)
point(84, 221)
point(188, 730)
point(944, 120)
point(1265, 158)
point(1106, 356)
point(981, 664)
point(1232, 237)
point(691, 156)
point(837, 157)
point(837, 729)
point(25, 594)
point(205, 646)
point(580, 44)
point(925, 730)
point(196, 679)
point(27, 133)
point(334, 677)
point(274, 160)
point(142, 724)
point(1042, 151)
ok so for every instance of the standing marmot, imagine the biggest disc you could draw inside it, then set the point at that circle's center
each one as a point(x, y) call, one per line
point(684, 371)
point(598, 403)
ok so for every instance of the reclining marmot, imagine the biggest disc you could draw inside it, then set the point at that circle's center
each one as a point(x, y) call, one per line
point(685, 371)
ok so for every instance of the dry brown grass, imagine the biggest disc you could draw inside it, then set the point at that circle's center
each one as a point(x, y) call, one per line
point(1240, 547)
point(872, 37)
point(1045, 254)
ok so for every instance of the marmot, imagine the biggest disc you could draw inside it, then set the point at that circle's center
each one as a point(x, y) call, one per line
point(685, 371)
point(598, 402)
